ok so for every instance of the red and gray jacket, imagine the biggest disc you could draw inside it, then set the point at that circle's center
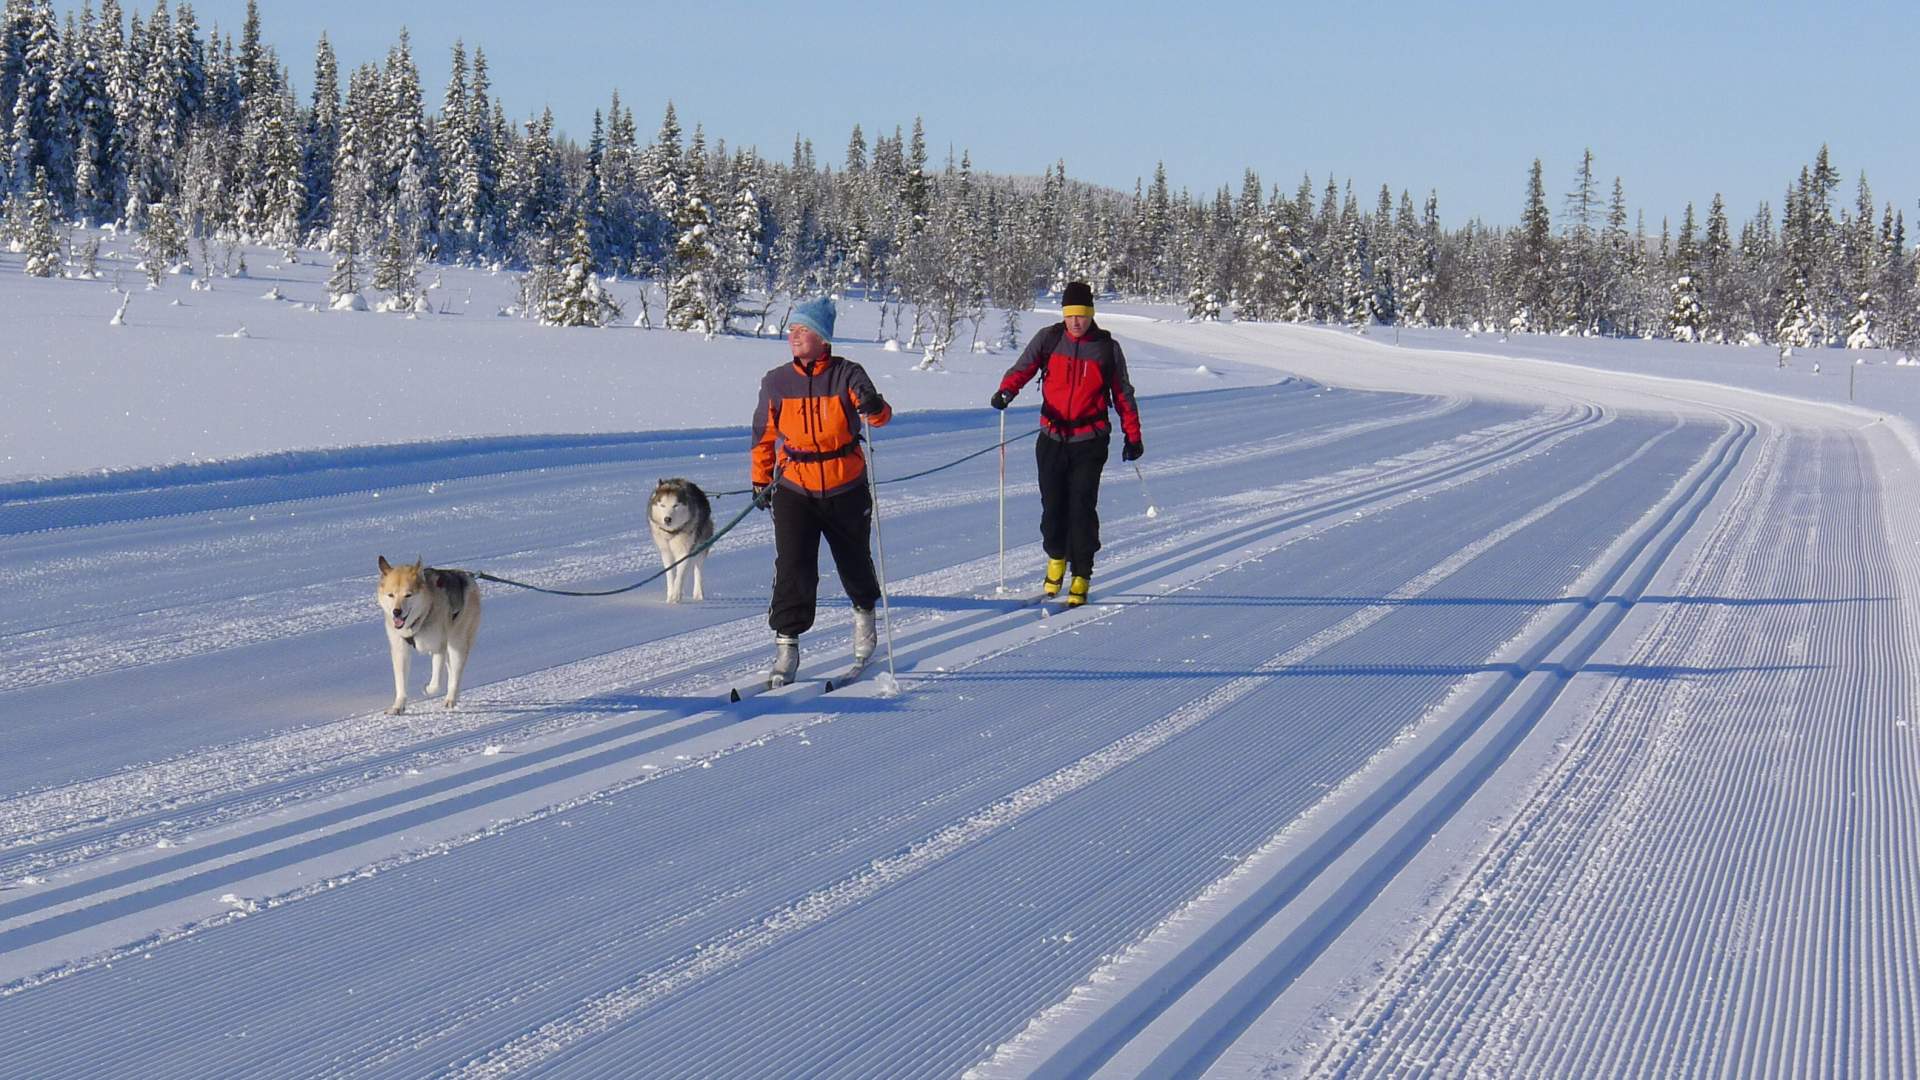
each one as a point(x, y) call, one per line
point(1079, 378)
point(813, 410)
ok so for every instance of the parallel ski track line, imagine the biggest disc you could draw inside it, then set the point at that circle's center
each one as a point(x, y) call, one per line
point(899, 1059)
point(1185, 555)
point(1515, 701)
point(72, 650)
point(1803, 961)
point(176, 797)
point(725, 952)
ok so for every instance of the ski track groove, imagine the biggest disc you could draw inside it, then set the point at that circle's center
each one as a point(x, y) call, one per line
point(350, 751)
point(1663, 751)
point(608, 1010)
point(118, 640)
point(1482, 468)
point(1729, 938)
point(1083, 1052)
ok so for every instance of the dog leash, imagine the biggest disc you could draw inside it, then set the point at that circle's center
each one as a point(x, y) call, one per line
point(482, 575)
point(698, 549)
point(924, 472)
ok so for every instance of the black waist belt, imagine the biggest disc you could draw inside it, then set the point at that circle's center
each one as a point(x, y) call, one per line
point(810, 456)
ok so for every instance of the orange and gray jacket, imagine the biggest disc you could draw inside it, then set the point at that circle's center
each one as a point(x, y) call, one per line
point(1078, 378)
point(813, 410)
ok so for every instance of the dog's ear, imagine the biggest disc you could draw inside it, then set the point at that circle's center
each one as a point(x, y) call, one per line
point(385, 566)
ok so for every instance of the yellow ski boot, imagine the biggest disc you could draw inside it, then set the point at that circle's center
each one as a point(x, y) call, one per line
point(1077, 592)
point(1056, 574)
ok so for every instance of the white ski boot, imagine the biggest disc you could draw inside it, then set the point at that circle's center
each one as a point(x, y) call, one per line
point(786, 661)
point(864, 637)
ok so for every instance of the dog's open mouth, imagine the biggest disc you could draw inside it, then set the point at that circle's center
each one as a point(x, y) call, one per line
point(399, 622)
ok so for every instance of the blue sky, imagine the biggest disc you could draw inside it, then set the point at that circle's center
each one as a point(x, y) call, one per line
point(1680, 100)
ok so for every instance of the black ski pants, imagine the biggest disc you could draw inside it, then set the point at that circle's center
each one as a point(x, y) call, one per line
point(799, 521)
point(1070, 498)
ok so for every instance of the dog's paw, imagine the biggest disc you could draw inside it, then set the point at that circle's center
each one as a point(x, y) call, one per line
point(396, 708)
point(450, 703)
point(432, 689)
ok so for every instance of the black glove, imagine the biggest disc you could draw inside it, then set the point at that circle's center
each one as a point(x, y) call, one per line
point(873, 406)
point(762, 496)
point(1133, 450)
point(999, 399)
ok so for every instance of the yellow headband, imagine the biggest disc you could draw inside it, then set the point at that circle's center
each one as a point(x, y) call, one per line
point(1078, 309)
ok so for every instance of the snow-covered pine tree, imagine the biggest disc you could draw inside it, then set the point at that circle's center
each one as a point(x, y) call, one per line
point(397, 270)
point(36, 141)
point(624, 203)
point(93, 168)
point(736, 271)
point(577, 298)
point(406, 175)
point(1686, 317)
point(1533, 261)
point(1384, 241)
point(663, 180)
point(1356, 265)
point(164, 239)
point(1715, 266)
point(1580, 258)
point(320, 146)
point(478, 189)
point(1897, 290)
point(1799, 324)
point(343, 284)
point(691, 287)
point(796, 227)
point(42, 242)
point(1863, 255)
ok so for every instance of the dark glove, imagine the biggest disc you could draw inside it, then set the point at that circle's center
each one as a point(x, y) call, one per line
point(1133, 450)
point(762, 496)
point(873, 406)
point(999, 399)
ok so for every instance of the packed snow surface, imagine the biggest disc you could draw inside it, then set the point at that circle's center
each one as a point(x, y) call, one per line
point(1546, 709)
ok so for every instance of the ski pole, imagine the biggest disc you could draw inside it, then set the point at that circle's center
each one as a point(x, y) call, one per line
point(1003, 501)
point(1152, 511)
point(880, 548)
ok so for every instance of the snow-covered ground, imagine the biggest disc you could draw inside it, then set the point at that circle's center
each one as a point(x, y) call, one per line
point(1454, 712)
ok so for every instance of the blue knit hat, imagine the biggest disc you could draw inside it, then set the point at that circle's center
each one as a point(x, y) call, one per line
point(816, 315)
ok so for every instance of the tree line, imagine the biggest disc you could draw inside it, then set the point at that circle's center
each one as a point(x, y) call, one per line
point(155, 126)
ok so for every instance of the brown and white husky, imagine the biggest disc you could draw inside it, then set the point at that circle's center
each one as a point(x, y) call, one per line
point(436, 612)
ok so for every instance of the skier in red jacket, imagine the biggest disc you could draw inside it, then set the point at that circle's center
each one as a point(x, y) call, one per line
point(1082, 371)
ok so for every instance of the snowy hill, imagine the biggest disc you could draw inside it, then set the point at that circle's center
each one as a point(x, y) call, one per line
point(1453, 713)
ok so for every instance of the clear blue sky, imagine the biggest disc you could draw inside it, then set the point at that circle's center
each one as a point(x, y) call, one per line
point(1679, 99)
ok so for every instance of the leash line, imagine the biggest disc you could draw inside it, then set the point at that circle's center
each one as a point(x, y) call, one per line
point(1001, 445)
point(699, 549)
point(737, 518)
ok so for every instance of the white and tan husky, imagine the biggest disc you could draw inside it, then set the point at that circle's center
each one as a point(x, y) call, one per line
point(681, 519)
point(434, 611)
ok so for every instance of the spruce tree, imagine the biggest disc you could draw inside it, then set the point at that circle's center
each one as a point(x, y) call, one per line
point(1686, 318)
point(165, 241)
point(396, 272)
point(690, 288)
point(42, 242)
point(1532, 262)
point(577, 297)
